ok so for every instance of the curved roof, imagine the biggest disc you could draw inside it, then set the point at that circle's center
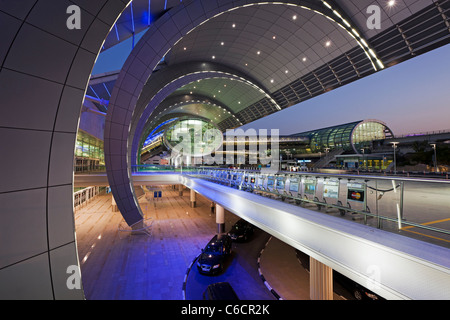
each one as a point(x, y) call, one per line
point(346, 136)
point(297, 57)
point(416, 34)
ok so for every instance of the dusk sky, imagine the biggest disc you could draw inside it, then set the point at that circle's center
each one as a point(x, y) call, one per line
point(411, 97)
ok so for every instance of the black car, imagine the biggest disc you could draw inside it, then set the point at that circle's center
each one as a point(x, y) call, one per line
point(220, 291)
point(358, 291)
point(214, 254)
point(241, 230)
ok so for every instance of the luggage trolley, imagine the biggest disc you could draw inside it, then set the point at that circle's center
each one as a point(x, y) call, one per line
point(251, 182)
point(245, 181)
point(331, 188)
point(280, 186)
point(357, 197)
point(239, 180)
point(269, 186)
point(309, 185)
point(259, 183)
point(293, 187)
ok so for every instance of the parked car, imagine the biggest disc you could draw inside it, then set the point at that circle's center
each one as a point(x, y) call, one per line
point(212, 258)
point(358, 291)
point(241, 230)
point(220, 291)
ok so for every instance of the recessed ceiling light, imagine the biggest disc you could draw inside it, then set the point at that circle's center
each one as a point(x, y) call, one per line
point(258, 53)
point(184, 48)
point(271, 80)
point(287, 71)
point(294, 17)
point(234, 25)
point(213, 57)
point(391, 3)
point(222, 43)
point(304, 59)
point(274, 37)
point(328, 43)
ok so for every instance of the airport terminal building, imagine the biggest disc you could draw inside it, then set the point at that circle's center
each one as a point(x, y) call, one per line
point(211, 65)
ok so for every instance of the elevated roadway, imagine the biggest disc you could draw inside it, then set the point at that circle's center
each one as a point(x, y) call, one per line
point(391, 265)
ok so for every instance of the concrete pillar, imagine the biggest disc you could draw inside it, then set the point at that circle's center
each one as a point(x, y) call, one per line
point(220, 219)
point(320, 281)
point(180, 189)
point(193, 196)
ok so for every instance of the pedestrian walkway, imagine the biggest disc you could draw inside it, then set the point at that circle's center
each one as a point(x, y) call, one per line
point(116, 265)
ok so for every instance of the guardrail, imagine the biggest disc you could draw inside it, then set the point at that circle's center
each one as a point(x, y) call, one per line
point(83, 196)
point(393, 203)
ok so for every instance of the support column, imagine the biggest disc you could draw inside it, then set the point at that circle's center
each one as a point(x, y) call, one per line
point(193, 196)
point(320, 281)
point(180, 189)
point(220, 219)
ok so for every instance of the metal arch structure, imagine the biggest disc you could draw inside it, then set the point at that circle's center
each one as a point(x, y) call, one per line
point(56, 65)
point(170, 79)
point(159, 39)
point(387, 130)
point(175, 103)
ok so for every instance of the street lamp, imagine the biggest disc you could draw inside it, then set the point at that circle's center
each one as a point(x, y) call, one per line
point(394, 145)
point(364, 161)
point(435, 157)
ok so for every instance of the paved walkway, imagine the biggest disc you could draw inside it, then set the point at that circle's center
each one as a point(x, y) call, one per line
point(116, 265)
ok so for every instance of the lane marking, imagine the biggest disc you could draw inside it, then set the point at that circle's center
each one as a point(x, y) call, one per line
point(426, 224)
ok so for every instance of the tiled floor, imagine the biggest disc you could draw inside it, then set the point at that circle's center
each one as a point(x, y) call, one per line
point(117, 265)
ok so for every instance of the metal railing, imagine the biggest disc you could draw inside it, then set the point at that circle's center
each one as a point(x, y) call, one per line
point(410, 206)
point(84, 196)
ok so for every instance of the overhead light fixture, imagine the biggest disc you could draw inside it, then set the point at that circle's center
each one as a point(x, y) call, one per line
point(213, 57)
point(328, 43)
point(258, 53)
point(234, 25)
point(222, 43)
point(304, 59)
point(391, 3)
point(294, 17)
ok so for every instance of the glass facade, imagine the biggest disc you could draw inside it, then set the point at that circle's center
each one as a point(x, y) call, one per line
point(189, 136)
point(366, 132)
point(89, 153)
point(349, 137)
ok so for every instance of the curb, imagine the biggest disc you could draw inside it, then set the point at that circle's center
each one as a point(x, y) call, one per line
point(275, 294)
point(183, 289)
